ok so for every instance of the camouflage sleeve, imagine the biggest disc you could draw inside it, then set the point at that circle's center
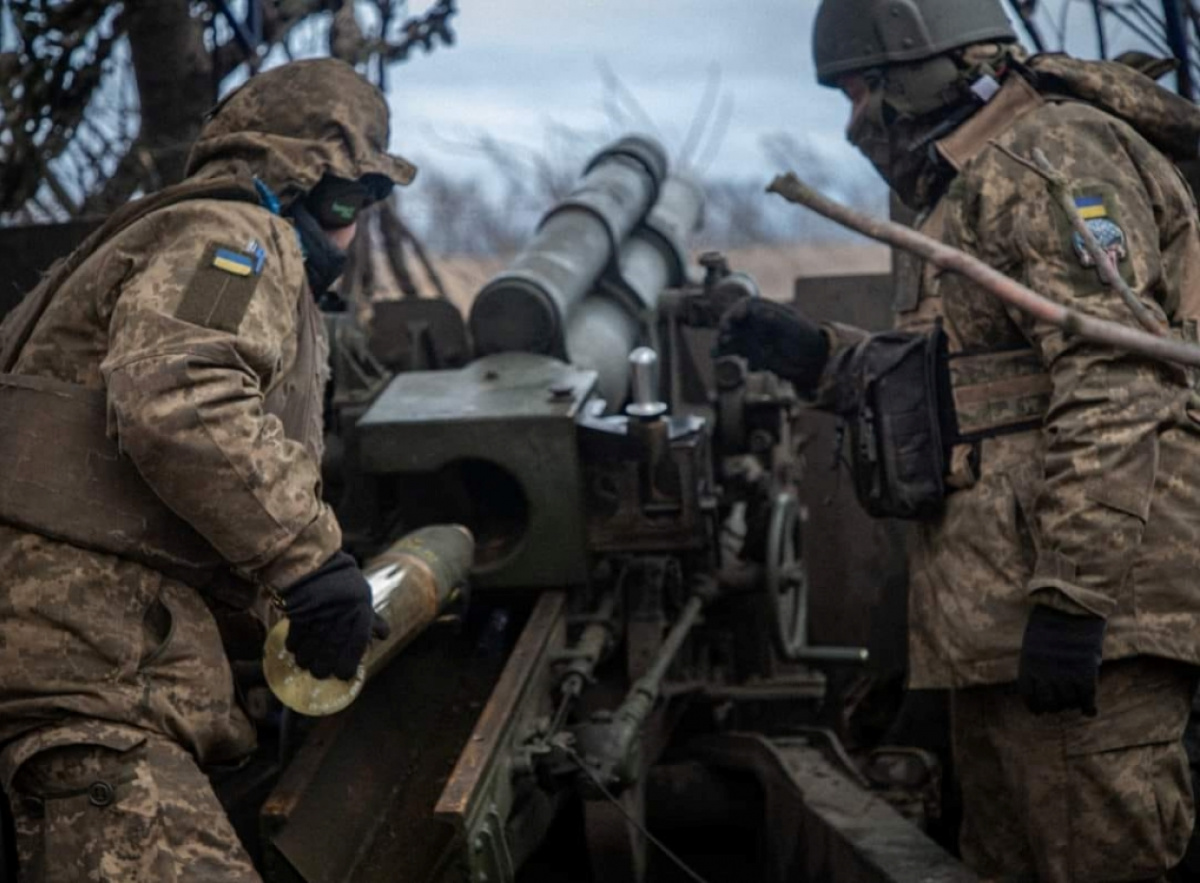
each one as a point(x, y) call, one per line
point(202, 329)
point(1106, 405)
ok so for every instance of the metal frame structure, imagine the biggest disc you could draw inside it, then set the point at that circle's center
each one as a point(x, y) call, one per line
point(1163, 27)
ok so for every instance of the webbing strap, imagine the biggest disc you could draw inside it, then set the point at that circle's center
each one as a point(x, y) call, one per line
point(998, 393)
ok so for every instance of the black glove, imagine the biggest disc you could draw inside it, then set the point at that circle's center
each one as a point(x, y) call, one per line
point(776, 338)
point(331, 618)
point(1060, 661)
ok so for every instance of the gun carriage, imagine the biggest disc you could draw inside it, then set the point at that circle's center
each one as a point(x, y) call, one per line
point(634, 651)
point(628, 691)
point(634, 655)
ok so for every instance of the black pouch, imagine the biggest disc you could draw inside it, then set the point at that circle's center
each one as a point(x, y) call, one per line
point(897, 455)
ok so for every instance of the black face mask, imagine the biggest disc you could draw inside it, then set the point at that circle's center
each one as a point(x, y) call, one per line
point(336, 202)
point(869, 132)
point(900, 148)
point(323, 261)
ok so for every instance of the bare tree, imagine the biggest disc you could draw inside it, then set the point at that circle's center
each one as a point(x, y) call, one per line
point(101, 100)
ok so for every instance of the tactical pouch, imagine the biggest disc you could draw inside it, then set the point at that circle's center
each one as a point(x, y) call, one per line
point(897, 455)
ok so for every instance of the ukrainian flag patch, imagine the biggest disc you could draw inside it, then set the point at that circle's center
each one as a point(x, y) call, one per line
point(1105, 228)
point(220, 290)
point(233, 262)
point(1091, 207)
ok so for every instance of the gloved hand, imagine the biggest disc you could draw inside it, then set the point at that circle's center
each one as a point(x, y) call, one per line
point(776, 338)
point(331, 619)
point(1060, 661)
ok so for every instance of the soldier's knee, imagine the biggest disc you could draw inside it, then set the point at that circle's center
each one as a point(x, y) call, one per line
point(97, 772)
point(143, 812)
point(68, 813)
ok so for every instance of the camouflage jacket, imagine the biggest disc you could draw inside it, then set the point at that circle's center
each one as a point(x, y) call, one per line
point(188, 319)
point(1097, 508)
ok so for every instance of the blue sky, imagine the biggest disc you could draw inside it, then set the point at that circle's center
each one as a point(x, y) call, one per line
point(522, 67)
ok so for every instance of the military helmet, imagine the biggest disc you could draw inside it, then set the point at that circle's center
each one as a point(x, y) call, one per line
point(299, 122)
point(855, 35)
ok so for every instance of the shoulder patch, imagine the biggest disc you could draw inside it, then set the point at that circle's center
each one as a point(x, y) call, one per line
point(233, 262)
point(220, 290)
point(1093, 208)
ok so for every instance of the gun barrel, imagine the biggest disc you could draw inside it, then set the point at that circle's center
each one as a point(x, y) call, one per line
point(411, 583)
point(602, 330)
point(526, 306)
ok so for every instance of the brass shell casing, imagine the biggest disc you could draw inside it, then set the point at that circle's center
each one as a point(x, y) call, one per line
point(411, 583)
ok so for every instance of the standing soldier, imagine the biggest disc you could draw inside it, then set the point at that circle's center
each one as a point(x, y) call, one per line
point(161, 399)
point(1056, 481)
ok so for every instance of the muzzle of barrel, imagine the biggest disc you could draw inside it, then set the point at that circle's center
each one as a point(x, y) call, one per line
point(526, 307)
point(603, 329)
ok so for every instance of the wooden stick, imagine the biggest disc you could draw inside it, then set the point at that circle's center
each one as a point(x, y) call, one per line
point(1106, 266)
point(1008, 290)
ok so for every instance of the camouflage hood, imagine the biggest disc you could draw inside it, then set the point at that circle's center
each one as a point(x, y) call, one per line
point(1169, 122)
point(293, 124)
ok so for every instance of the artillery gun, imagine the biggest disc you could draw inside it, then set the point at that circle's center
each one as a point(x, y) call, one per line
point(629, 692)
point(632, 671)
point(636, 632)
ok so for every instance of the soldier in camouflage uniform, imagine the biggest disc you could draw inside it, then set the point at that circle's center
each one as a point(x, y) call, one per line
point(1068, 530)
point(162, 393)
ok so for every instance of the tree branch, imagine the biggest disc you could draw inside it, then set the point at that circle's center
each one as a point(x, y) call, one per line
point(278, 22)
point(1106, 265)
point(419, 250)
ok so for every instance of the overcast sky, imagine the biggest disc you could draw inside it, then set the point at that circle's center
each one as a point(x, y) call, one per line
point(521, 65)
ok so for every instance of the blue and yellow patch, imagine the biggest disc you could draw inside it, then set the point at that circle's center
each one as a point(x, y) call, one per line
point(233, 262)
point(1108, 232)
point(1091, 207)
point(220, 291)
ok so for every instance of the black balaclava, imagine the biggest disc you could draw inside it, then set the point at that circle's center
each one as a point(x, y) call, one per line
point(323, 261)
point(333, 204)
point(901, 150)
point(336, 202)
point(912, 106)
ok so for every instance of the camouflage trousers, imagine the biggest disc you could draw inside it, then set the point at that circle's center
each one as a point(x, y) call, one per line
point(1067, 799)
point(88, 812)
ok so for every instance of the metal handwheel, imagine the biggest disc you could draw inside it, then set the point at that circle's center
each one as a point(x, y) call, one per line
point(787, 577)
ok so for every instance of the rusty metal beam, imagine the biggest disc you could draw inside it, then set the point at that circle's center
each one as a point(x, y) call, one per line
point(488, 739)
point(356, 802)
point(478, 798)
